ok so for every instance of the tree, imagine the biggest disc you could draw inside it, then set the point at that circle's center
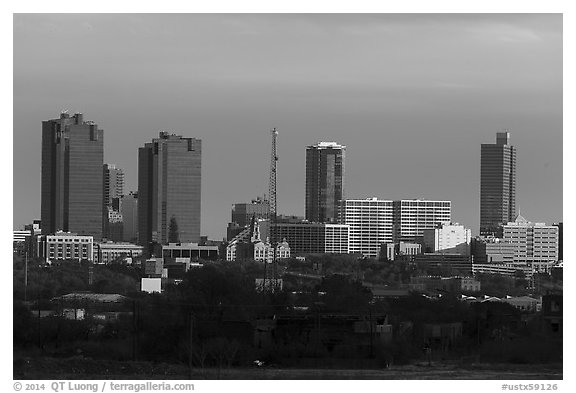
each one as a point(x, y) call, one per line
point(344, 294)
point(173, 235)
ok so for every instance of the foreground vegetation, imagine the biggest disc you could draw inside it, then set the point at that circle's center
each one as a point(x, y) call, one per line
point(207, 322)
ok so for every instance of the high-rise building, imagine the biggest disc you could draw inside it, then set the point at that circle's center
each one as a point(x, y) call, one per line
point(560, 240)
point(72, 181)
point(533, 242)
point(129, 210)
point(313, 238)
point(113, 186)
point(324, 181)
point(113, 191)
point(413, 216)
point(371, 224)
point(169, 181)
point(242, 213)
point(374, 222)
point(497, 185)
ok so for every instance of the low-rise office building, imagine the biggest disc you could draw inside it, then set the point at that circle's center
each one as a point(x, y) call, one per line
point(107, 252)
point(391, 251)
point(63, 246)
point(447, 238)
point(194, 251)
point(444, 264)
point(492, 251)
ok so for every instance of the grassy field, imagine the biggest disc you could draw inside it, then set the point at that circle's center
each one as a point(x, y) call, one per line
point(80, 368)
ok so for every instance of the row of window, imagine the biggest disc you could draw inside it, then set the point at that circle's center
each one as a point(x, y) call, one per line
point(72, 240)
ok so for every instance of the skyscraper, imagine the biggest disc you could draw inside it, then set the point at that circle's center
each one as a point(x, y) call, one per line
point(129, 210)
point(113, 191)
point(169, 180)
point(497, 185)
point(72, 183)
point(324, 181)
point(113, 186)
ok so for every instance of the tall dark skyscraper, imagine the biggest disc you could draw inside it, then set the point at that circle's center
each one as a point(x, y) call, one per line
point(169, 180)
point(324, 181)
point(497, 185)
point(129, 210)
point(72, 181)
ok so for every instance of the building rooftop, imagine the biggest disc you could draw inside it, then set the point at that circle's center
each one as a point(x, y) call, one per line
point(327, 145)
point(93, 297)
point(62, 233)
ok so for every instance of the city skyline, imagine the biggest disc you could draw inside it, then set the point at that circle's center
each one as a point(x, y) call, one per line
point(411, 131)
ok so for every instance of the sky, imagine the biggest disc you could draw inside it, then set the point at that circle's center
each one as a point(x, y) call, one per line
point(412, 96)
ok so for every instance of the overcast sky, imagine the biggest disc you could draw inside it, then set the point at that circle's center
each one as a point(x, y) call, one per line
point(411, 96)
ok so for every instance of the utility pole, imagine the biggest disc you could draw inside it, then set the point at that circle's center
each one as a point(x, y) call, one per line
point(90, 274)
point(26, 278)
point(371, 333)
point(134, 331)
point(190, 353)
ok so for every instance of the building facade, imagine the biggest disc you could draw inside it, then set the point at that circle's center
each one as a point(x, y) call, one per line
point(253, 243)
point(448, 238)
point(129, 211)
point(497, 185)
point(113, 186)
point(66, 246)
point(560, 240)
point(391, 251)
point(444, 264)
point(493, 250)
point(169, 186)
point(532, 242)
point(325, 169)
point(107, 252)
point(242, 213)
point(72, 176)
point(313, 238)
point(413, 216)
point(371, 224)
point(113, 224)
point(264, 252)
point(192, 251)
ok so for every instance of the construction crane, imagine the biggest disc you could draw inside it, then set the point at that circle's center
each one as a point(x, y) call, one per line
point(272, 202)
point(272, 212)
